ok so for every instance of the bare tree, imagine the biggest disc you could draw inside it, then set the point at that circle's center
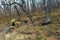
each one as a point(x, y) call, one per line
point(4, 7)
point(33, 6)
point(47, 14)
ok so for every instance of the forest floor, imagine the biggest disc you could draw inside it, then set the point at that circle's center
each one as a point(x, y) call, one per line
point(29, 32)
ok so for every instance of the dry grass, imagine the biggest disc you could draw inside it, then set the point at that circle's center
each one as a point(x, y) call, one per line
point(37, 32)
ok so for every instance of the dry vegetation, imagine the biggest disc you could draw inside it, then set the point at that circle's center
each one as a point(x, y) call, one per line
point(37, 32)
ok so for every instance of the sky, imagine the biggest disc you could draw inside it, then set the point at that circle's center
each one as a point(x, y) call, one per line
point(19, 0)
point(26, 1)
